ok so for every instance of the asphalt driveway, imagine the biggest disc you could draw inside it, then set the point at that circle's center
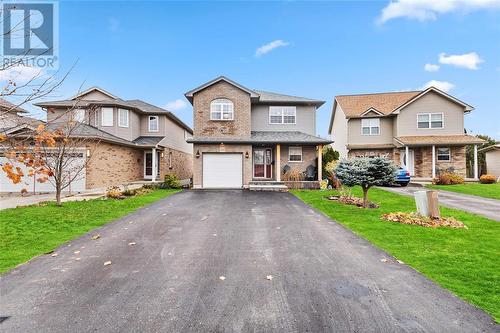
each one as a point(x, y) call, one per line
point(324, 278)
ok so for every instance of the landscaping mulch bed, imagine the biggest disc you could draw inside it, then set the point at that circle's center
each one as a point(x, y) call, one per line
point(354, 201)
point(423, 221)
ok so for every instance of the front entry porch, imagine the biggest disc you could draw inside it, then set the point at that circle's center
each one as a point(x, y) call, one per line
point(279, 167)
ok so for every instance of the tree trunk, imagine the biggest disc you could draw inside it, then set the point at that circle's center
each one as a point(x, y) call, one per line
point(365, 196)
point(58, 195)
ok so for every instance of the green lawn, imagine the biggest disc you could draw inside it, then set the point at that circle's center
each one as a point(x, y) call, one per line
point(482, 190)
point(26, 232)
point(465, 261)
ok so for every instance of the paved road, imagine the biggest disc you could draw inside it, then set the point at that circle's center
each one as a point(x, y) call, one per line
point(489, 208)
point(324, 278)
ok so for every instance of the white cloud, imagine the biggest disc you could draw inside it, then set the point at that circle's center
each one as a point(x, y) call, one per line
point(21, 74)
point(423, 10)
point(431, 67)
point(467, 60)
point(176, 105)
point(270, 46)
point(441, 85)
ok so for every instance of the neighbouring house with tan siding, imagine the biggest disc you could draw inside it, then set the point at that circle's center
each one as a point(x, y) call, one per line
point(492, 157)
point(137, 141)
point(422, 131)
point(244, 138)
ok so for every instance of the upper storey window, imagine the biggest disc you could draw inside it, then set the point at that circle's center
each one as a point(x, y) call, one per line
point(106, 116)
point(221, 109)
point(430, 120)
point(122, 117)
point(282, 114)
point(153, 123)
point(370, 126)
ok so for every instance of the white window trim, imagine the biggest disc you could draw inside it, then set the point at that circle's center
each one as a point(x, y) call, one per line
point(119, 118)
point(370, 127)
point(96, 118)
point(430, 120)
point(215, 102)
point(437, 154)
point(112, 116)
point(77, 113)
point(157, 123)
point(283, 116)
point(301, 154)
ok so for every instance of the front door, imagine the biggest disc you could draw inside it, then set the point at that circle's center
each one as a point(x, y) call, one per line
point(411, 161)
point(148, 165)
point(262, 163)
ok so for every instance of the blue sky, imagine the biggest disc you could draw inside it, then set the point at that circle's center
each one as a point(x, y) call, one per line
point(156, 51)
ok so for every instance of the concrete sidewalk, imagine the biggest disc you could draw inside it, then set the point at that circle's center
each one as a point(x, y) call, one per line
point(486, 207)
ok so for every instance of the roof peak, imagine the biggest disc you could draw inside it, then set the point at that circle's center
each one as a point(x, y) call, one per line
point(381, 93)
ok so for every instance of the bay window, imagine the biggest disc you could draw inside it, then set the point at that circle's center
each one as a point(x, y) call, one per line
point(153, 124)
point(122, 118)
point(106, 116)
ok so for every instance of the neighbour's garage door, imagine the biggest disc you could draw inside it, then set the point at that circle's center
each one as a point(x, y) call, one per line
point(222, 170)
point(31, 184)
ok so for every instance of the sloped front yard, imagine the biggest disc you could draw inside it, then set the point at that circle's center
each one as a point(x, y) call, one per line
point(465, 261)
point(30, 231)
point(491, 191)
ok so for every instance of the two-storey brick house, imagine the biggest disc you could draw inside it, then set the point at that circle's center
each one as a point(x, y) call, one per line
point(137, 141)
point(243, 137)
point(422, 131)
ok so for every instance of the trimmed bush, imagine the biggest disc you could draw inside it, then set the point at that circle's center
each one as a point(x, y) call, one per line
point(448, 178)
point(171, 181)
point(487, 179)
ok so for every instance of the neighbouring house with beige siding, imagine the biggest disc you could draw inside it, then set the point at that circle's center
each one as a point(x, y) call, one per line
point(422, 131)
point(245, 138)
point(492, 158)
point(137, 141)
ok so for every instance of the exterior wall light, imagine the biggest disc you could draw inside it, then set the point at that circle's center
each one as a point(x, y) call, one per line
point(247, 155)
point(88, 152)
point(197, 154)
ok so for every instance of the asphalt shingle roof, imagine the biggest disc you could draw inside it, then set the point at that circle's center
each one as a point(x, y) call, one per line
point(284, 137)
point(439, 139)
point(270, 97)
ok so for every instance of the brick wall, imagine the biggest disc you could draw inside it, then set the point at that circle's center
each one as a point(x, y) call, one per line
point(240, 126)
point(309, 155)
point(204, 148)
point(113, 164)
point(423, 161)
point(176, 162)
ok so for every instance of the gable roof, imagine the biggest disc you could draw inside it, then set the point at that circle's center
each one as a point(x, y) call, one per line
point(258, 96)
point(134, 104)
point(9, 107)
point(189, 95)
point(94, 88)
point(355, 106)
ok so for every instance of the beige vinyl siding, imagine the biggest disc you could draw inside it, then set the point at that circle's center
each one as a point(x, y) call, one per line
point(355, 135)
point(128, 133)
point(453, 116)
point(339, 132)
point(144, 129)
point(305, 119)
point(175, 137)
point(95, 95)
point(493, 162)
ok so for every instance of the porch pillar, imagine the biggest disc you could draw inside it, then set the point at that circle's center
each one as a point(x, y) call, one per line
point(407, 158)
point(320, 162)
point(476, 176)
point(153, 165)
point(433, 161)
point(278, 163)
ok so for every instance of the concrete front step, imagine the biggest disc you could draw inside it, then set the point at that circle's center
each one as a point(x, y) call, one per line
point(269, 188)
point(264, 182)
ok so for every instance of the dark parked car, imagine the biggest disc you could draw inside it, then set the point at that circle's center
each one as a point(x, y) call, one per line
point(402, 177)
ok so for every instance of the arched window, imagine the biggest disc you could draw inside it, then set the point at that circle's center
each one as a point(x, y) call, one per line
point(221, 109)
